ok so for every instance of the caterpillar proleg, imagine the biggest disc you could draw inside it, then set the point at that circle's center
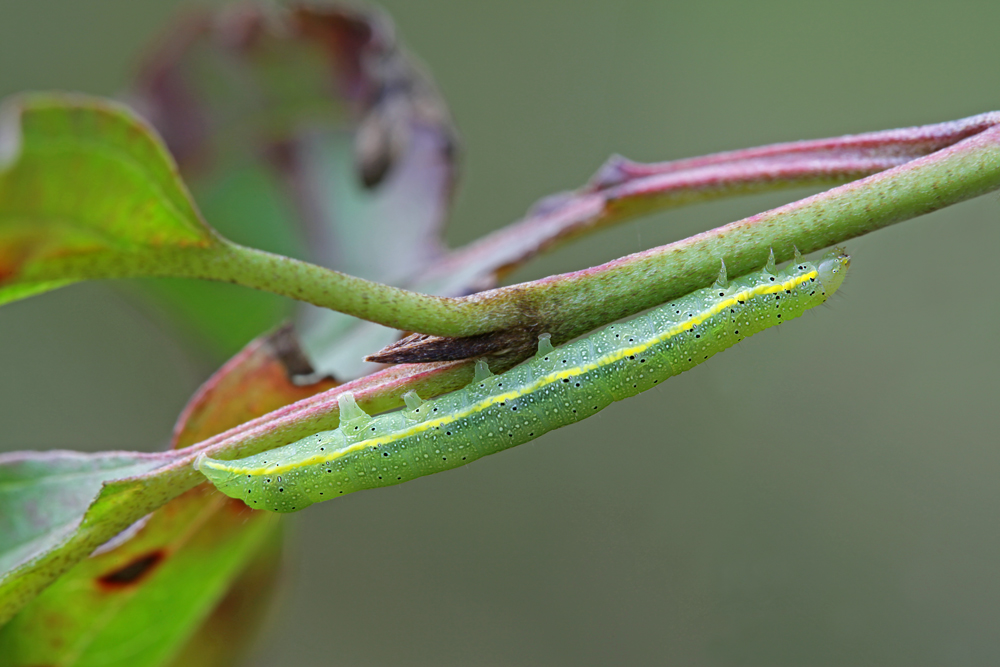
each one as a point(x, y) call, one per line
point(559, 386)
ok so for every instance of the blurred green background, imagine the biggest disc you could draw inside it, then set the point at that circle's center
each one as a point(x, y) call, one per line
point(824, 494)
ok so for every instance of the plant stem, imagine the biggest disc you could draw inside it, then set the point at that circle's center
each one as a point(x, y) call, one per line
point(384, 304)
point(574, 303)
point(571, 304)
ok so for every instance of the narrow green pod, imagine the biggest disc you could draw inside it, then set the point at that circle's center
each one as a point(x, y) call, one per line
point(557, 387)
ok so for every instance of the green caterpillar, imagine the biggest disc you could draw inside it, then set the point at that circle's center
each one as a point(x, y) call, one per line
point(555, 388)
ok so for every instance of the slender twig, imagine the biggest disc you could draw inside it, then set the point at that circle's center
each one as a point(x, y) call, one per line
point(614, 194)
point(571, 304)
point(588, 298)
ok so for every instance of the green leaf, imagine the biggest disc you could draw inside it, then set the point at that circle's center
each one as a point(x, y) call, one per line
point(43, 496)
point(134, 605)
point(85, 190)
point(60, 506)
point(47, 523)
point(231, 629)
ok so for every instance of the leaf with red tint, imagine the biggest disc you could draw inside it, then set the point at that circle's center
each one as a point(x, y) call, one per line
point(196, 570)
point(256, 381)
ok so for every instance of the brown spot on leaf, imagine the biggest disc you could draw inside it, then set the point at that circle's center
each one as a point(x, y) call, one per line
point(132, 573)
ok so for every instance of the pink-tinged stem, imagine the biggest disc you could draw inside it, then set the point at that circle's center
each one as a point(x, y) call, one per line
point(574, 303)
point(623, 189)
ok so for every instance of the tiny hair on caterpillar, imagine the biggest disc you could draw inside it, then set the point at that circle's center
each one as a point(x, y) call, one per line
point(557, 387)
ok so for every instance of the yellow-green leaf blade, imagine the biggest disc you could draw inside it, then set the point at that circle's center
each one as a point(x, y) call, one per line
point(86, 187)
point(43, 496)
point(135, 604)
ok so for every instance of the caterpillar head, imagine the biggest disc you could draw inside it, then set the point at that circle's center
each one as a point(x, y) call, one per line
point(833, 268)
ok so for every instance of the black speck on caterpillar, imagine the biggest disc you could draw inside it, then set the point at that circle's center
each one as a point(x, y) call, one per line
point(557, 387)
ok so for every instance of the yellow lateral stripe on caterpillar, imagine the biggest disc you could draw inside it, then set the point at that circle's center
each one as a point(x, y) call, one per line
point(498, 412)
point(541, 382)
